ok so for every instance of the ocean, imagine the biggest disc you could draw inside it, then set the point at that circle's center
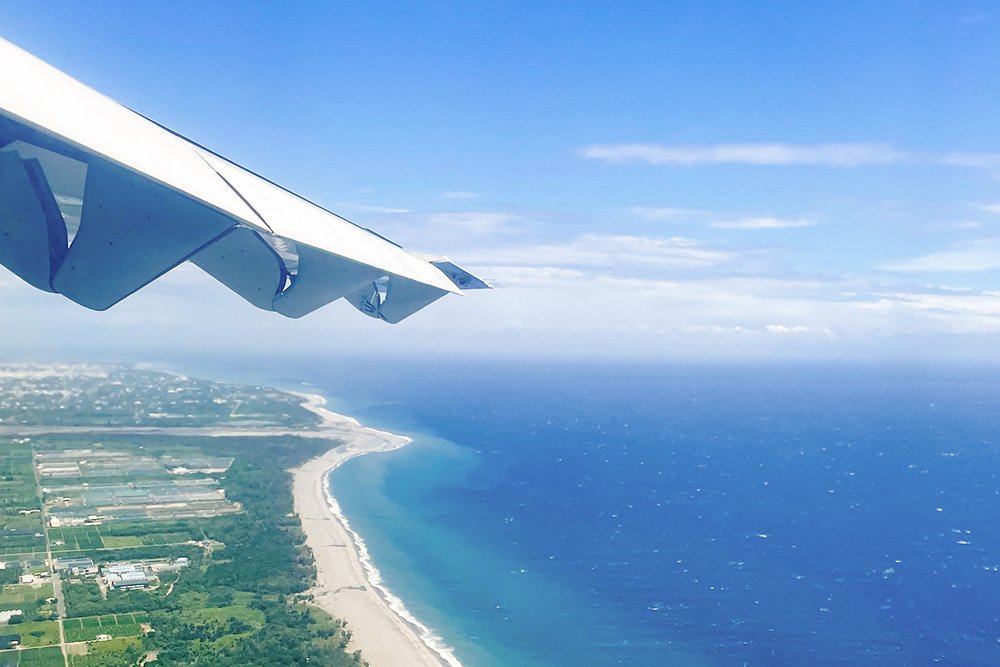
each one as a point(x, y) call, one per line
point(664, 514)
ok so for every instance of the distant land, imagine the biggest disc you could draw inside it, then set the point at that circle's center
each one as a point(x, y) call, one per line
point(148, 518)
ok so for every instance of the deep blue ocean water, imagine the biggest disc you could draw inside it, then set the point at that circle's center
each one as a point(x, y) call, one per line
point(599, 514)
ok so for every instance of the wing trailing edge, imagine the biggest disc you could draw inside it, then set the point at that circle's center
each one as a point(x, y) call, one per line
point(96, 201)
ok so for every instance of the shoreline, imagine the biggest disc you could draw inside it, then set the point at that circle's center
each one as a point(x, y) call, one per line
point(348, 585)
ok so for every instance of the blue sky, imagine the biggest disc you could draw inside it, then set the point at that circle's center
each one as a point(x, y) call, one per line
point(679, 180)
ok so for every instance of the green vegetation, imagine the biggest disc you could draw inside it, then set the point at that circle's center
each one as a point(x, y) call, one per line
point(87, 539)
point(38, 634)
point(84, 599)
point(10, 575)
point(17, 480)
point(20, 519)
point(123, 652)
point(30, 599)
point(116, 625)
point(238, 605)
point(242, 613)
point(121, 396)
point(123, 541)
point(50, 656)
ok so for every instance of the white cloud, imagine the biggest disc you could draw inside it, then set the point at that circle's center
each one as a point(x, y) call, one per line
point(762, 223)
point(782, 329)
point(371, 209)
point(660, 213)
point(978, 160)
point(607, 251)
point(781, 154)
point(827, 155)
point(545, 310)
point(457, 194)
point(980, 255)
point(479, 222)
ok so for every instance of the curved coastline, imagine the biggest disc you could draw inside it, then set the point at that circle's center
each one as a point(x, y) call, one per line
point(348, 584)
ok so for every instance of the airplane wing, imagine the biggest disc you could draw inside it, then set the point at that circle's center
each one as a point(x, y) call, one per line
point(96, 201)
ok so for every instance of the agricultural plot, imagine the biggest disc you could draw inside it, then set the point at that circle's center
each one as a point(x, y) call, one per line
point(20, 521)
point(114, 625)
point(89, 538)
point(134, 500)
point(50, 656)
point(75, 539)
point(23, 553)
point(120, 652)
point(30, 546)
point(29, 598)
point(121, 542)
point(17, 480)
point(37, 634)
point(163, 539)
point(94, 464)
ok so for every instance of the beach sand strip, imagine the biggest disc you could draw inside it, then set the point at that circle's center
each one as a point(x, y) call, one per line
point(384, 637)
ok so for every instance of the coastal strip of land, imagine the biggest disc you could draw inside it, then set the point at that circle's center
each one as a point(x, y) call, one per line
point(347, 586)
point(343, 588)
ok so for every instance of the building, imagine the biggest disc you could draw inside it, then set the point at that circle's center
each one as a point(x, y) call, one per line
point(76, 565)
point(5, 616)
point(27, 579)
point(125, 575)
point(169, 567)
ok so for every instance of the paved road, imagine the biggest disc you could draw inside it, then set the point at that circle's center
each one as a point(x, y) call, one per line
point(57, 591)
point(56, 582)
point(216, 431)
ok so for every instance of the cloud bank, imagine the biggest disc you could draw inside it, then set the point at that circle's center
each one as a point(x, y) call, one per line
point(776, 154)
point(762, 223)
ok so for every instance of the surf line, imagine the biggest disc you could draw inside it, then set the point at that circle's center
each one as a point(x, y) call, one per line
point(431, 639)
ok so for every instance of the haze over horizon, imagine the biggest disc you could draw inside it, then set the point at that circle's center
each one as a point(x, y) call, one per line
point(660, 181)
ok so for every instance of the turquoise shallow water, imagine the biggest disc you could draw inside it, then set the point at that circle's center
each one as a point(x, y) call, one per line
point(683, 515)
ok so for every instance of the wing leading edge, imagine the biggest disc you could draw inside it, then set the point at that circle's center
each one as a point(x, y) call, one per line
point(96, 201)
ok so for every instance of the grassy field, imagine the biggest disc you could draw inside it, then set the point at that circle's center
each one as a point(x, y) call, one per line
point(37, 634)
point(121, 542)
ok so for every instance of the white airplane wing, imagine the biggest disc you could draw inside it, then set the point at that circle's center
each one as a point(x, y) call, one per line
point(96, 201)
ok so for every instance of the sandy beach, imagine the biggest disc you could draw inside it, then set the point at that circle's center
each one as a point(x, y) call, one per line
point(345, 577)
